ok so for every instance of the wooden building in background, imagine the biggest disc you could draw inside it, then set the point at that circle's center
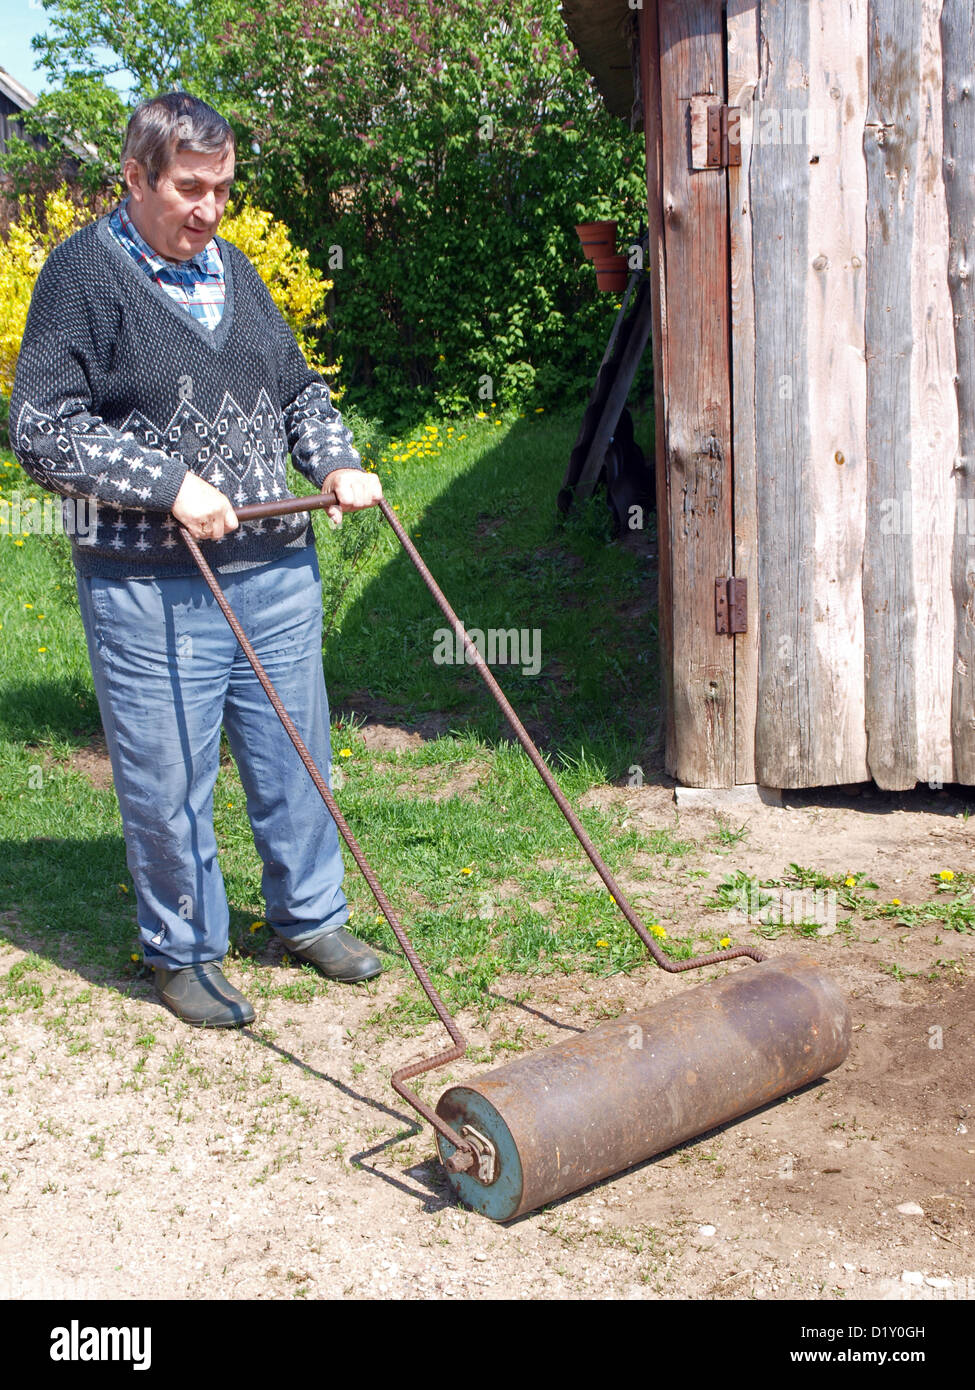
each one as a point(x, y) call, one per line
point(15, 99)
point(811, 198)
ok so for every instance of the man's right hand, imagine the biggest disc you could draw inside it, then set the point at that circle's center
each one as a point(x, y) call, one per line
point(204, 511)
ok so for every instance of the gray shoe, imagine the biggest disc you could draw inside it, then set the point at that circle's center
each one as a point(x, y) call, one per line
point(339, 956)
point(202, 996)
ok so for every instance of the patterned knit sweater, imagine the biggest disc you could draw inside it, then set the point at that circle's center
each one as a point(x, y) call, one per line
point(119, 392)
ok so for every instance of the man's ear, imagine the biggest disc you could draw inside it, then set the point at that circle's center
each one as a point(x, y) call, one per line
point(135, 179)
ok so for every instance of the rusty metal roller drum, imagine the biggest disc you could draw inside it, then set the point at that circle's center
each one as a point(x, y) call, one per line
point(599, 1102)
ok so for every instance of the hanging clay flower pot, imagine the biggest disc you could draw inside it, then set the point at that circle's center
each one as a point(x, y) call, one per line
point(612, 272)
point(598, 238)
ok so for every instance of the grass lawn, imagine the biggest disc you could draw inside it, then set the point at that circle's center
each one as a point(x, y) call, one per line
point(463, 867)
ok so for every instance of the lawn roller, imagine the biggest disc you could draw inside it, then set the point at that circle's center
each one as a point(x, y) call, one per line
point(549, 1124)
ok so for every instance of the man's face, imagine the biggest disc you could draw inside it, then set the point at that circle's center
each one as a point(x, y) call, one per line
point(180, 215)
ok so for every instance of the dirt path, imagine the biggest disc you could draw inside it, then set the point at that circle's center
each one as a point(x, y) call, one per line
point(143, 1159)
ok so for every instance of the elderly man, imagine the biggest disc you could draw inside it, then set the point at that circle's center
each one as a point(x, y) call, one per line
point(158, 377)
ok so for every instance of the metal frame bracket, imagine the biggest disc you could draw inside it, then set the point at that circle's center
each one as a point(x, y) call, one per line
point(486, 1164)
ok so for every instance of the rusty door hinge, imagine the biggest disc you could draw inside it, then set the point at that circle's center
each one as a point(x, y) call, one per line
point(724, 137)
point(731, 605)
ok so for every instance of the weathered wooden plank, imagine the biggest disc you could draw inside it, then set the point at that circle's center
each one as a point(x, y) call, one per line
point(934, 425)
point(835, 286)
point(697, 385)
point(743, 76)
point(787, 720)
point(890, 616)
point(958, 45)
point(657, 268)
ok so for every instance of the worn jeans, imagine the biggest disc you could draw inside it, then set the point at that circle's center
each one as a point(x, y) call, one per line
point(168, 672)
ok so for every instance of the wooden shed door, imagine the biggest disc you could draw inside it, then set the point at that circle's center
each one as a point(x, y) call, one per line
point(853, 358)
point(815, 356)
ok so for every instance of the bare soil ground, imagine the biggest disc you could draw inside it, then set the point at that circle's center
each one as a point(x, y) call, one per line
point(141, 1158)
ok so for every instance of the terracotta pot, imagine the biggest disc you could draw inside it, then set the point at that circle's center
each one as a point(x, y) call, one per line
point(612, 272)
point(598, 238)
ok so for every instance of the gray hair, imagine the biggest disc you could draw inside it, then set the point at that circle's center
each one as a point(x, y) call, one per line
point(161, 126)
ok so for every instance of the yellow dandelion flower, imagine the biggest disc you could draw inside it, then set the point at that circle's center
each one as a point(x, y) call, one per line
point(725, 941)
point(124, 887)
point(467, 871)
point(28, 605)
point(42, 649)
point(895, 902)
point(345, 752)
point(658, 931)
point(849, 881)
point(602, 943)
point(946, 875)
point(134, 956)
point(539, 409)
point(256, 926)
point(18, 542)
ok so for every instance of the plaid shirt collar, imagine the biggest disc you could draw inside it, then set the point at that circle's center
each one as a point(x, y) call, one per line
point(205, 263)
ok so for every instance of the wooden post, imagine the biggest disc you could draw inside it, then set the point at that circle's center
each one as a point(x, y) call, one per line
point(697, 503)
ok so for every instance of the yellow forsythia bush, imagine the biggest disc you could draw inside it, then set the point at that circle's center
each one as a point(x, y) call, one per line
point(296, 287)
point(23, 253)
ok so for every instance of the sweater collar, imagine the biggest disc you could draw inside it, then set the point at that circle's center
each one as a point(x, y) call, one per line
point(214, 338)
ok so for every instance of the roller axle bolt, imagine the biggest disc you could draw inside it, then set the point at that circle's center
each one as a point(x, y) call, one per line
point(461, 1161)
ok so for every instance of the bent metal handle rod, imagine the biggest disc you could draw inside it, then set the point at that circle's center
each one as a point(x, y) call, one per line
point(464, 1157)
point(266, 509)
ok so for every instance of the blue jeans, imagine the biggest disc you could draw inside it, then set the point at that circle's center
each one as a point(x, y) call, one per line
point(168, 672)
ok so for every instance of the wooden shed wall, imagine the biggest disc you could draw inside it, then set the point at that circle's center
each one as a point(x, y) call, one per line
point(852, 257)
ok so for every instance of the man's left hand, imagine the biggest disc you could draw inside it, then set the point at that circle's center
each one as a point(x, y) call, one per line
point(354, 490)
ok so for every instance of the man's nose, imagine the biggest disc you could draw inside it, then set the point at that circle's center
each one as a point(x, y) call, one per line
point(206, 208)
